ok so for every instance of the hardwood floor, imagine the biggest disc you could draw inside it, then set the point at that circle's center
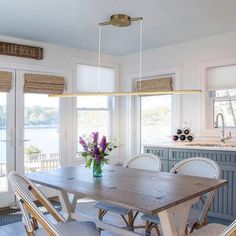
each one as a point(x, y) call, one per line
point(17, 229)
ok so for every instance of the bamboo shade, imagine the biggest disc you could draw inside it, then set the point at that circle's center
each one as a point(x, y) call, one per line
point(5, 81)
point(154, 84)
point(46, 84)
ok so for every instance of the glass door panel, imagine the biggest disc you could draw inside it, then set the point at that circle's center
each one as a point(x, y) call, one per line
point(41, 132)
point(3, 142)
point(7, 163)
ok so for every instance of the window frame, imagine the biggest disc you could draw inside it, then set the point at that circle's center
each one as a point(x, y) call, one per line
point(212, 109)
point(109, 109)
point(206, 106)
point(114, 113)
point(175, 103)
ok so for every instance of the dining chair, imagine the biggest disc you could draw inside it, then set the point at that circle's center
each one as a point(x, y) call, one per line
point(144, 162)
point(216, 230)
point(25, 190)
point(195, 166)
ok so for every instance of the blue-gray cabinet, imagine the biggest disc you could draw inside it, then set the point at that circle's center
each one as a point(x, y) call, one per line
point(224, 204)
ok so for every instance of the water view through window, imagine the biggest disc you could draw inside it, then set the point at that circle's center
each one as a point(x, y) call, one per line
point(93, 114)
point(41, 136)
point(3, 141)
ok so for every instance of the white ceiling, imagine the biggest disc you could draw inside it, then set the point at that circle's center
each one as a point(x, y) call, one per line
point(74, 23)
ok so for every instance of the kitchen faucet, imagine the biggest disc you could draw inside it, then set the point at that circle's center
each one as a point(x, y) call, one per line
point(222, 137)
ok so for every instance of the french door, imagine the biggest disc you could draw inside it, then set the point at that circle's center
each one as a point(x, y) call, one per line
point(7, 140)
point(29, 133)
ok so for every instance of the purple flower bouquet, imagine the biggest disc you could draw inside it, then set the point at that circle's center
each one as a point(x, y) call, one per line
point(96, 152)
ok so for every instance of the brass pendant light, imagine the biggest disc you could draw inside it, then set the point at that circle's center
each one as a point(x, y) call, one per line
point(122, 20)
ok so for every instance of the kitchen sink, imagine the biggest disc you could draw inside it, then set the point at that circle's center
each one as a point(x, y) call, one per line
point(229, 145)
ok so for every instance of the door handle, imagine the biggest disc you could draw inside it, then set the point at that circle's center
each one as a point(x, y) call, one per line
point(22, 141)
point(25, 140)
point(5, 141)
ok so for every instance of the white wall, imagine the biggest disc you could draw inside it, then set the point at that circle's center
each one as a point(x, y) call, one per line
point(188, 60)
point(54, 55)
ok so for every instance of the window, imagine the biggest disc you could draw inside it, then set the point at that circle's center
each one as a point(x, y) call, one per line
point(94, 113)
point(224, 101)
point(155, 119)
point(222, 94)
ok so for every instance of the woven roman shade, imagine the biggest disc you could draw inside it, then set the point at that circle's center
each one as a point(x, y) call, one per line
point(154, 84)
point(5, 81)
point(46, 84)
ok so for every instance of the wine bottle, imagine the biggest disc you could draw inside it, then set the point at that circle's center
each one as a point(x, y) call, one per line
point(175, 137)
point(182, 137)
point(190, 137)
point(179, 131)
point(187, 130)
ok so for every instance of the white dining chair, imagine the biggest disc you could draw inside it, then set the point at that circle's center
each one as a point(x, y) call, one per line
point(24, 190)
point(143, 161)
point(216, 230)
point(195, 166)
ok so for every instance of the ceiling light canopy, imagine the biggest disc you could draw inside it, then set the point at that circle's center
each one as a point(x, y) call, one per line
point(122, 20)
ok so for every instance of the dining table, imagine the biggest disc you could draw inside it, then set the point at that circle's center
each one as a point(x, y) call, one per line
point(168, 195)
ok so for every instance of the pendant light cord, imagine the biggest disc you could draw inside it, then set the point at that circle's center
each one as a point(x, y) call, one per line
point(99, 58)
point(140, 54)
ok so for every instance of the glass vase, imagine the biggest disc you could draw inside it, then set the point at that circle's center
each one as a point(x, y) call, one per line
point(97, 170)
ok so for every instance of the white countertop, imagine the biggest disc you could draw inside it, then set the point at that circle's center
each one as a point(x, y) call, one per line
point(228, 146)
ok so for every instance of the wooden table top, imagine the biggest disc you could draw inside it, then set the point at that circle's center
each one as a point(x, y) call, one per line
point(145, 191)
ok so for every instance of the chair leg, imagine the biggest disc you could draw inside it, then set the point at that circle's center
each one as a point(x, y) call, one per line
point(147, 228)
point(157, 230)
point(28, 233)
point(130, 220)
point(101, 213)
point(198, 226)
point(34, 223)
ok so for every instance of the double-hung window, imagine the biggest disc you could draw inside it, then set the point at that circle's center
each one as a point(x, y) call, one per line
point(221, 88)
point(94, 113)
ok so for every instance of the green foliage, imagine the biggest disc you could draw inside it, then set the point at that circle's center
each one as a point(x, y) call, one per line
point(38, 115)
point(32, 149)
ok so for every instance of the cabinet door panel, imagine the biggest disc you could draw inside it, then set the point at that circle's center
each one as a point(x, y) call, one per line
point(161, 152)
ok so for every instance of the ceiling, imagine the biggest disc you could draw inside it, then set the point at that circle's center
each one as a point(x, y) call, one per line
point(74, 23)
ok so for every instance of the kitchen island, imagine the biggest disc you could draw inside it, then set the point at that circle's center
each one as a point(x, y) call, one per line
point(224, 204)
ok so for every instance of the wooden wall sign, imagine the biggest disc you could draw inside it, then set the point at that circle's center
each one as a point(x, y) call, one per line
point(18, 50)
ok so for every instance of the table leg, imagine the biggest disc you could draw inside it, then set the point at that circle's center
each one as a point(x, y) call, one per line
point(174, 220)
point(68, 206)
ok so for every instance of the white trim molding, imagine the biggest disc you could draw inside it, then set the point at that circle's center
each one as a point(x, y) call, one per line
point(206, 129)
point(132, 114)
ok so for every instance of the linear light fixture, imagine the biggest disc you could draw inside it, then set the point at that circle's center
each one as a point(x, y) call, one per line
point(122, 20)
point(139, 93)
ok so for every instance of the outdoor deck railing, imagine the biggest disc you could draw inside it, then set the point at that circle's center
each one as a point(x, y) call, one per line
point(40, 162)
